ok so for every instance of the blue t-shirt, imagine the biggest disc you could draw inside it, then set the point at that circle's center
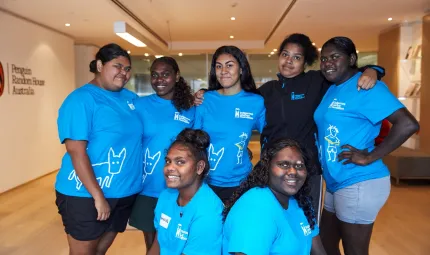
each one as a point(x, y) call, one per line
point(229, 121)
point(347, 116)
point(162, 122)
point(110, 124)
point(193, 229)
point(258, 225)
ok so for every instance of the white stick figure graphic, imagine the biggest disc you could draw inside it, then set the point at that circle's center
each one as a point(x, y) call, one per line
point(215, 157)
point(332, 143)
point(241, 146)
point(114, 165)
point(149, 163)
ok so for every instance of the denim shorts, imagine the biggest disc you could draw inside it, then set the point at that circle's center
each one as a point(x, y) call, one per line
point(359, 203)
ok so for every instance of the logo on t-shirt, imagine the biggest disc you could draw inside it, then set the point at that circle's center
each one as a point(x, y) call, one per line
point(295, 96)
point(164, 220)
point(332, 143)
point(337, 105)
point(149, 163)
point(181, 118)
point(243, 115)
point(105, 170)
point(181, 234)
point(241, 145)
point(306, 229)
point(215, 157)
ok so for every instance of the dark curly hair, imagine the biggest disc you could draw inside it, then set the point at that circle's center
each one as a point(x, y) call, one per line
point(310, 52)
point(106, 54)
point(344, 45)
point(246, 80)
point(183, 98)
point(197, 141)
point(259, 177)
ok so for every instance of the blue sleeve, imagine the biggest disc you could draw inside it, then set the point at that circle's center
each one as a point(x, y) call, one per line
point(205, 235)
point(251, 233)
point(261, 120)
point(378, 103)
point(75, 117)
point(198, 119)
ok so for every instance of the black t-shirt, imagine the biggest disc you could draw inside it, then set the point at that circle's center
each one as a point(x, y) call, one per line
point(290, 105)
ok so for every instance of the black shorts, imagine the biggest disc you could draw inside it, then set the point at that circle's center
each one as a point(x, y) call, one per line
point(142, 215)
point(224, 193)
point(79, 216)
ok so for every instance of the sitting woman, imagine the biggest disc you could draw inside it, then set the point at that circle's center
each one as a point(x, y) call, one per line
point(348, 121)
point(271, 212)
point(188, 215)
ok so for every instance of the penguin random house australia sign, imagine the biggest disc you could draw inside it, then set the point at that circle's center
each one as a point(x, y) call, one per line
point(18, 80)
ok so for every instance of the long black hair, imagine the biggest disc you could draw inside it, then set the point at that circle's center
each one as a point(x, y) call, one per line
point(344, 45)
point(197, 141)
point(183, 98)
point(259, 177)
point(106, 54)
point(246, 80)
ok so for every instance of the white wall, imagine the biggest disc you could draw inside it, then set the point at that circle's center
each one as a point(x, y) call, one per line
point(29, 147)
point(84, 54)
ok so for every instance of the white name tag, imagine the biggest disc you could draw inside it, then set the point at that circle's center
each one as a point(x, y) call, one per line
point(164, 220)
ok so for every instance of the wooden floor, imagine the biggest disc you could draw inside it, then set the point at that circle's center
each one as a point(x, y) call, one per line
point(29, 223)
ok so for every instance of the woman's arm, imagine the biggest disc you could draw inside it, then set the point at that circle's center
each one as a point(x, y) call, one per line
point(78, 152)
point(404, 125)
point(317, 247)
point(155, 248)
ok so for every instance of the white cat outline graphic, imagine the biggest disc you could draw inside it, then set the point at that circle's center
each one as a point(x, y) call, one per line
point(114, 162)
point(150, 162)
point(218, 157)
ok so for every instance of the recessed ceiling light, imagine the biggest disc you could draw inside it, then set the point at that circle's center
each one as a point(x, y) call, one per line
point(146, 54)
point(159, 56)
point(272, 52)
point(313, 44)
point(231, 37)
point(390, 19)
point(319, 49)
point(67, 25)
point(233, 18)
point(269, 56)
point(358, 51)
point(128, 52)
point(180, 54)
point(275, 50)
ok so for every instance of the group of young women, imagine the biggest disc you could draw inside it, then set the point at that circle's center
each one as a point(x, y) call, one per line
point(177, 166)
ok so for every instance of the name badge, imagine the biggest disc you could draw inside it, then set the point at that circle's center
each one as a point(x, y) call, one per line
point(164, 220)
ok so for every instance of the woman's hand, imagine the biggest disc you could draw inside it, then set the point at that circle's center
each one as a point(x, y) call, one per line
point(368, 79)
point(353, 155)
point(199, 97)
point(103, 208)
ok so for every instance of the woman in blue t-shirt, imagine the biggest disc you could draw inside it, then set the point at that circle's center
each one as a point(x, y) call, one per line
point(272, 213)
point(231, 110)
point(188, 216)
point(164, 114)
point(348, 121)
point(100, 172)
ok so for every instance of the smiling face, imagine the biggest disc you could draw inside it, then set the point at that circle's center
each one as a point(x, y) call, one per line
point(227, 71)
point(163, 79)
point(181, 169)
point(115, 73)
point(335, 65)
point(287, 172)
point(291, 60)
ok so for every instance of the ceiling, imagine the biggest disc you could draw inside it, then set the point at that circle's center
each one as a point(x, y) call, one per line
point(200, 26)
